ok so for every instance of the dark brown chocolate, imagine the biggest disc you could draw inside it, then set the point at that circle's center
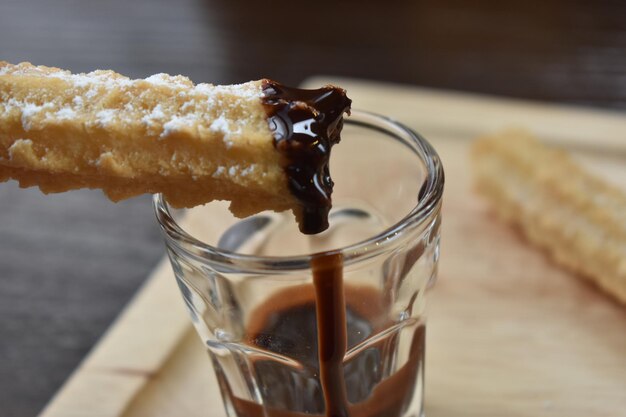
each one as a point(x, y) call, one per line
point(332, 337)
point(306, 124)
point(290, 324)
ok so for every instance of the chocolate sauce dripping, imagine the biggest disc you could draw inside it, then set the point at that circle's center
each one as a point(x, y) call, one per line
point(306, 124)
point(332, 339)
point(279, 328)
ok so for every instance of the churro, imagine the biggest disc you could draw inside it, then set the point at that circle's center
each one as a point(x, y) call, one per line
point(163, 134)
point(579, 219)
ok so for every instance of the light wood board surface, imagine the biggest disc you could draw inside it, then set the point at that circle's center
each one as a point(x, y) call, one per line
point(509, 333)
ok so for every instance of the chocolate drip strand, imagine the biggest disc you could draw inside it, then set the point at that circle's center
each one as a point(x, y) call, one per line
point(332, 338)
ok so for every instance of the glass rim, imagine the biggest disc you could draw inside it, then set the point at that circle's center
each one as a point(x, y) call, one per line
point(429, 200)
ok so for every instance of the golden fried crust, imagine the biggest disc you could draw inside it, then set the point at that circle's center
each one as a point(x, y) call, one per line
point(579, 219)
point(193, 143)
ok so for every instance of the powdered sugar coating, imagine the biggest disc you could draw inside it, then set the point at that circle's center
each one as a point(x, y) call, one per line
point(219, 171)
point(106, 117)
point(197, 105)
point(17, 144)
point(30, 111)
point(222, 126)
point(176, 124)
point(193, 143)
point(66, 113)
point(155, 116)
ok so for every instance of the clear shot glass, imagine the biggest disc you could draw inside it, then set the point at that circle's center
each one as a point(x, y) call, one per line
point(249, 287)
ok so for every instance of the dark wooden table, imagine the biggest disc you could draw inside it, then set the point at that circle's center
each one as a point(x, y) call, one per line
point(70, 262)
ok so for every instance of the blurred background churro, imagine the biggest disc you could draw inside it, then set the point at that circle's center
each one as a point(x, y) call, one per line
point(578, 218)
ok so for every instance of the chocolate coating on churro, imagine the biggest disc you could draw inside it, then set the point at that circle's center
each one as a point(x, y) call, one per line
point(306, 124)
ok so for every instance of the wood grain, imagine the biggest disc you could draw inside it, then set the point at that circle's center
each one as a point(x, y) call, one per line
point(509, 333)
point(131, 353)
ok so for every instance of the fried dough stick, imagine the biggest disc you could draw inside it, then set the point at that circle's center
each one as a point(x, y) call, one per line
point(193, 143)
point(579, 219)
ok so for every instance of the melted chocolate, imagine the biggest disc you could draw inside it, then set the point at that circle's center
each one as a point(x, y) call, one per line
point(315, 325)
point(332, 337)
point(306, 124)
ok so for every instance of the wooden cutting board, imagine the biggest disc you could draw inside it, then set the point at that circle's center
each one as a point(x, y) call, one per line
point(509, 333)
